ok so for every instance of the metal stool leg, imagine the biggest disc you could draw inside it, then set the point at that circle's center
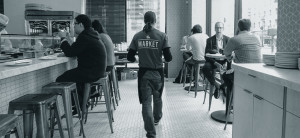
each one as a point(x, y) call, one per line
point(19, 133)
point(184, 76)
point(108, 105)
point(228, 109)
point(76, 100)
point(197, 71)
point(41, 122)
point(57, 116)
point(115, 85)
point(66, 98)
point(28, 123)
point(191, 78)
point(87, 89)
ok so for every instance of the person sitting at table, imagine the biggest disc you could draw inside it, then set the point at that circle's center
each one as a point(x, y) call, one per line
point(215, 44)
point(90, 52)
point(246, 48)
point(196, 44)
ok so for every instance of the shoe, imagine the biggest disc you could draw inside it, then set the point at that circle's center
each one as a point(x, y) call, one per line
point(156, 122)
point(217, 93)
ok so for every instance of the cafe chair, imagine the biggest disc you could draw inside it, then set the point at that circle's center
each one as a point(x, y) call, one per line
point(39, 104)
point(9, 124)
point(67, 90)
point(212, 88)
point(104, 83)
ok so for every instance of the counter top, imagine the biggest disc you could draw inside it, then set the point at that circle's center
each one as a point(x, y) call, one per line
point(9, 71)
point(285, 77)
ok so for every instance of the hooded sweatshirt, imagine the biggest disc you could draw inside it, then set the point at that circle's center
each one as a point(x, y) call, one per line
point(90, 52)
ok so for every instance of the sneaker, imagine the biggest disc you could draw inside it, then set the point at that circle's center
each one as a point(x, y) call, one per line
point(156, 122)
point(216, 93)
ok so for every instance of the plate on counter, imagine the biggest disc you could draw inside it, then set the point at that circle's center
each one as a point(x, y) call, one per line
point(19, 62)
point(48, 58)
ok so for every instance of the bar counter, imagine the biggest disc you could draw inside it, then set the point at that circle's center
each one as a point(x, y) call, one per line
point(16, 81)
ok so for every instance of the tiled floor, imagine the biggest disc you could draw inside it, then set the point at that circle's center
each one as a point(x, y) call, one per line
point(183, 116)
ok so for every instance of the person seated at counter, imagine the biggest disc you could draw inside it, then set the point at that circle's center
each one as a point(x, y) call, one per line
point(90, 52)
point(109, 45)
point(215, 44)
point(246, 47)
point(5, 43)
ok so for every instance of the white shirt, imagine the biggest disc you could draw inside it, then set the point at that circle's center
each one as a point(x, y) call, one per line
point(196, 44)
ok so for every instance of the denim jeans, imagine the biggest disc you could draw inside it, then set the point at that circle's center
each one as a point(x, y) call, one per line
point(151, 83)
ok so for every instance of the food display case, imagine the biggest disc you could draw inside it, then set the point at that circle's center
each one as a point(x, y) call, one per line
point(27, 46)
point(49, 23)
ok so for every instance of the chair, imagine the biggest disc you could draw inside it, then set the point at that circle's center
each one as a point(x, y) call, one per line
point(10, 122)
point(66, 89)
point(104, 82)
point(195, 72)
point(212, 89)
point(37, 104)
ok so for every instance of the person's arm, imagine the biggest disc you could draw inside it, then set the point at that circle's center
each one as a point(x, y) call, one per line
point(230, 47)
point(132, 50)
point(75, 49)
point(167, 54)
point(131, 55)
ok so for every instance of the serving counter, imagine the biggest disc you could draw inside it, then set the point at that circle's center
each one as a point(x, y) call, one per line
point(16, 81)
point(266, 101)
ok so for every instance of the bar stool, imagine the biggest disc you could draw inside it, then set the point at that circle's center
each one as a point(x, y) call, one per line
point(115, 84)
point(228, 106)
point(38, 104)
point(113, 91)
point(104, 82)
point(66, 89)
point(10, 122)
point(197, 67)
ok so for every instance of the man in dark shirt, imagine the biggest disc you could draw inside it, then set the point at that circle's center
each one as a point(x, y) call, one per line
point(150, 44)
point(90, 53)
point(215, 44)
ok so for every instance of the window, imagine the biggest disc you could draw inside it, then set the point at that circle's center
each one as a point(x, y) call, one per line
point(223, 11)
point(266, 24)
point(135, 15)
point(199, 13)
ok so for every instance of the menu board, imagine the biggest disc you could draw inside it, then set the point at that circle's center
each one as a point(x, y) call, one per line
point(112, 15)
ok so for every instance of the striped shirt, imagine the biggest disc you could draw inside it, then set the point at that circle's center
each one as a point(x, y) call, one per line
point(246, 47)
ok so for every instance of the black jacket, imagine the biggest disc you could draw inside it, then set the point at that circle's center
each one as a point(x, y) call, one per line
point(212, 48)
point(90, 52)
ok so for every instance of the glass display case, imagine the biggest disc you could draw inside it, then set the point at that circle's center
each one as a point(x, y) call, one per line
point(26, 46)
